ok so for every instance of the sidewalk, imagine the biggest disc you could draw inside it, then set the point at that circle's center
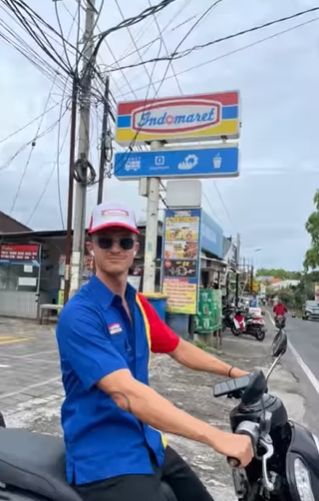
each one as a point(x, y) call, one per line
point(31, 392)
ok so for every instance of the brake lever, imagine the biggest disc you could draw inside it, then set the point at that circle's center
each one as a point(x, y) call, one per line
point(266, 442)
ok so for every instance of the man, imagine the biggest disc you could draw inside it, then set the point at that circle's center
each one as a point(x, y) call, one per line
point(110, 415)
point(279, 309)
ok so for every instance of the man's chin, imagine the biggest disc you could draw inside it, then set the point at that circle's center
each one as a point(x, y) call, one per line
point(116, 271)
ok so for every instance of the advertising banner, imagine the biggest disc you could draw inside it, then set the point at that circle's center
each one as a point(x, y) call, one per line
point(180, 270)
point(173, 119)
point(19, 253)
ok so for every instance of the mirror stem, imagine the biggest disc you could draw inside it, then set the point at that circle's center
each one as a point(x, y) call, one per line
point(274, 364)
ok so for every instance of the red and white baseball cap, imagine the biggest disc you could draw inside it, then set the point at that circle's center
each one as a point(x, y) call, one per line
point(112, 215)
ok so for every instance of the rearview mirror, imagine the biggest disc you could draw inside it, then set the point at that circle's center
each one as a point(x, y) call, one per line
point(279, 344)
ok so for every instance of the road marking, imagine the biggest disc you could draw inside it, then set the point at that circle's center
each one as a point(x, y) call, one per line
point(14, 340)
point(36, 353)
point(4, 366)
point(310, 375)
point(30, 387)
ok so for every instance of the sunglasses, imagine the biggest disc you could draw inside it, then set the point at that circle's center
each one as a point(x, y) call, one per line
point(126, 243)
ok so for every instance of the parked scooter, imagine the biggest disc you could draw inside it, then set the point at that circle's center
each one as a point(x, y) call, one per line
point(32, 468)
point(286, 462)
point(249, 324)
point(228, 316)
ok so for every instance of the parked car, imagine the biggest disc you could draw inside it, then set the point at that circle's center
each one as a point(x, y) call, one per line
point(311, 310)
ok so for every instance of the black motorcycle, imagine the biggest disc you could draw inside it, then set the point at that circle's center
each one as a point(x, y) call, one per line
point(32, 468)
point(280, 321)
point(286, 462)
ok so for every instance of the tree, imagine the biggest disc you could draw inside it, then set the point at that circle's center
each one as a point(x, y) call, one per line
point(279, 273)
point(312, 226)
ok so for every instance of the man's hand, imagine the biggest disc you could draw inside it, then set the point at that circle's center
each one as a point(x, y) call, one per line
point(235, 373)
point(235, 446)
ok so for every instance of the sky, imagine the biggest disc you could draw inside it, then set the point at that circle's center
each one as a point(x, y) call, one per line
point(278, 81)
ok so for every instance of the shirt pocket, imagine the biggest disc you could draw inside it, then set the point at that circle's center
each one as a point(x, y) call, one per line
point(121, 343)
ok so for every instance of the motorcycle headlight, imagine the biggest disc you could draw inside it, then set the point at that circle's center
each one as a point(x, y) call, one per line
point(303, 482)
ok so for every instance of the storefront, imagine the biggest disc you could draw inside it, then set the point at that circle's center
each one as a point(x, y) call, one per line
point(29, 271)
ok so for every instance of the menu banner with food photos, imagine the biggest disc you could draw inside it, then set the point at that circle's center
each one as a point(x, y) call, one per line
point(181, 259)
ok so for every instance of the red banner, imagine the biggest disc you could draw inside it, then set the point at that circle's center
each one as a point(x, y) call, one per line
point(17, 252)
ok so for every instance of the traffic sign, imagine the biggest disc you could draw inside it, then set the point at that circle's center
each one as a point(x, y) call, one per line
point(207, 162)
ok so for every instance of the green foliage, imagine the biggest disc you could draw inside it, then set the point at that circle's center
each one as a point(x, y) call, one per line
point(312, 226)
point(279, 273)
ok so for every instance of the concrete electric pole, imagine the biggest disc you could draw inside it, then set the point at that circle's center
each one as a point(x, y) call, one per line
point(153, 187)
point(83, 149)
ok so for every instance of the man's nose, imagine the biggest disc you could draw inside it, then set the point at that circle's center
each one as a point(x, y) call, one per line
point(116, 247)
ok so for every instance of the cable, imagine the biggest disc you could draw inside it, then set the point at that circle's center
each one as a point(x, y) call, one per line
point(205, 13)
point(130, 22)
point(134, 42)
point(43, 42)
point(46, 185)
point(33, 144)
point(211, 208)
point(12, 134)
point(166, 49)
point(178, 55)
point(229, 53)
point(149, 44)
point(223, 203)
point(61, 31)
point(39, 128)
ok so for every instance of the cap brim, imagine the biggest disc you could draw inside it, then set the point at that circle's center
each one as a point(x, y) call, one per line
point(107, 226)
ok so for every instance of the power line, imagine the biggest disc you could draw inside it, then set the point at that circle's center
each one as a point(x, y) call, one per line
point(166, 49)
point(131, 21)
point(33, 144)
point(134, 42)
point(47, 182)
point(202, 16)
point(211, 208)
point(61, 31)
point(223, 203)
point(178, 55)
point(14, 133)
point(231, 52)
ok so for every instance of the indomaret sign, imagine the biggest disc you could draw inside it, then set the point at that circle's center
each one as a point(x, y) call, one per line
point(191, 118)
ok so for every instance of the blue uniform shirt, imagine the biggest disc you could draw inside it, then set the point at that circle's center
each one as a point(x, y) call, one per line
point(95, 338)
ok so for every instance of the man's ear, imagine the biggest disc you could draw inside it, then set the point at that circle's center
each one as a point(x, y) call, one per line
point(136, 248)
point(89, 246)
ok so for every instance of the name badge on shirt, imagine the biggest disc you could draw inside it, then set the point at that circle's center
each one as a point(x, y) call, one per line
point(114, 328)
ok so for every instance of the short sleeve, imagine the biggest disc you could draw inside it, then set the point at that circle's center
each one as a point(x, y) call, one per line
point(83, 342)
point(163, 339)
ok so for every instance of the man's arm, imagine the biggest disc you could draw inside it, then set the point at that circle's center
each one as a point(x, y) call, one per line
point(151, 408)
point(194, 358)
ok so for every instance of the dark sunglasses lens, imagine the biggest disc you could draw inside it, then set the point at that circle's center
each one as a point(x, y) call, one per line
point(105, 243)
point(127, 243)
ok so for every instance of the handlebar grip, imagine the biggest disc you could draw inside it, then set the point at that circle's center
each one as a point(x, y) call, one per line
point(233, 462)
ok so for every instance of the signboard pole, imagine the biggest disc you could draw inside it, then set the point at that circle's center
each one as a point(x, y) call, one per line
point(153, 187)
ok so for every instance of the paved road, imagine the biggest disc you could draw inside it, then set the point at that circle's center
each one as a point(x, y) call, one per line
point(302, 361)
point(304, 336)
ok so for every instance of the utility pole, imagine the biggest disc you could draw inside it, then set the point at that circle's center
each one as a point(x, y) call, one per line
point(68, 243)
point(105, 140)
point(237, 270)
point(252, 279)
point(83, 149)
point(153, 188)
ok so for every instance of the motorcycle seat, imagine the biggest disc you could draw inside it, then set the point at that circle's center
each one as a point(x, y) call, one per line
point(35, 463)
